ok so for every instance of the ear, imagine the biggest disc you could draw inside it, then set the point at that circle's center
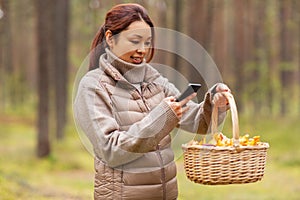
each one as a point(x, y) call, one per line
point(109, 38)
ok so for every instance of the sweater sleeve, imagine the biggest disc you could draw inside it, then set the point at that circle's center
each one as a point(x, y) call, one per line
point(198, 118)
point(94, 114)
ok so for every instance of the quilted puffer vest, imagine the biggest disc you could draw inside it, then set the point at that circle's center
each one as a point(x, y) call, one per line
point(151, 176)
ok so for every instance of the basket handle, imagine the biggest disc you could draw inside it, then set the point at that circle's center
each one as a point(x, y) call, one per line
point(234, 118)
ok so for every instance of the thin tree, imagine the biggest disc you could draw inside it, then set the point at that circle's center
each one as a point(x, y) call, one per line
point(239, 47)
point(285, 53)
point(199, 21)
point(6, 66)
point(297, 6)
point(218, 36)
point(177, 27)
point(44, 43)
point(273, 57)
point(61, 64)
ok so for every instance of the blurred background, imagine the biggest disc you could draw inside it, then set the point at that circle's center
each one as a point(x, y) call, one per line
point(255, 45)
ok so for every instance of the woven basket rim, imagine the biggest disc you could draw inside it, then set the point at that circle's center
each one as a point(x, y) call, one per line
point(262, 145)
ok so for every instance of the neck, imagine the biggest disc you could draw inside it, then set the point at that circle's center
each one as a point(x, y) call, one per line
point(133, 73)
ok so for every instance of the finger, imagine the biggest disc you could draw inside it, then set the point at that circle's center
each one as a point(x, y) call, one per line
point(220, 99)
point(224, 100)
point(175, 106)
point(170, 99)
point(184, 109)
point(177, 109)
point(222, 88)
point(179, 115)
point(184, 101)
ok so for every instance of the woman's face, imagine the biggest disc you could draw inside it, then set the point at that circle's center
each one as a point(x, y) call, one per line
point(132, 44)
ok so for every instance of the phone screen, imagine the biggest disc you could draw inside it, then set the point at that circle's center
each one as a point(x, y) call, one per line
point(192, 87)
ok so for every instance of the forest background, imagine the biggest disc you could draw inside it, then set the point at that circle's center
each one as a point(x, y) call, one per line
point(255, 45)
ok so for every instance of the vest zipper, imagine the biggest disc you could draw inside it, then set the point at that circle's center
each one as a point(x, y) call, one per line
point(163, 173)
point(162, 169)
point(147, 106)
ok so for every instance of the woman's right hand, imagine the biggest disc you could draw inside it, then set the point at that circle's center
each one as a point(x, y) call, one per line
point(179, 108)
point(219, 97)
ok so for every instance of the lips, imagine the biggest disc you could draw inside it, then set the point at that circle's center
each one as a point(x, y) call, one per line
point(137, 60)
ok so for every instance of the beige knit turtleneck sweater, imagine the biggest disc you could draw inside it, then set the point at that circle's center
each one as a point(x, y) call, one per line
point(133, 73)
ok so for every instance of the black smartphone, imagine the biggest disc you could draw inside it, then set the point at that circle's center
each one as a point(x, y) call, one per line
point(192, 87)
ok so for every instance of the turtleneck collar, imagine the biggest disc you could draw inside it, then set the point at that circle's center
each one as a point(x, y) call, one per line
point(133, 73)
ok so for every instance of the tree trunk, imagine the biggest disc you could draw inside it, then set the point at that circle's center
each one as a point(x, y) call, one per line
point(178, 63)
point(296, 54)
point(159, 20)
point(6, 65)
point(259, 56)
point(273, 60)
point(239, 47)
point(286, 55)
point(218, 36)
point(177, 27)
point(200, 16)
point(6, 48)
point(249, 29)
point(297, 6)
point(61, 64)
point(44, 43)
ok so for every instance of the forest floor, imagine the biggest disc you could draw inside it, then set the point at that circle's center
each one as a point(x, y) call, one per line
point(67, 174)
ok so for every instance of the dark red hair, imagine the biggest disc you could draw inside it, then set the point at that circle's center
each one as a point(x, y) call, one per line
point(118, 19)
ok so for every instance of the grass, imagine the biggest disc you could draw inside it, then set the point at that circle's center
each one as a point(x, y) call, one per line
point(68, 172)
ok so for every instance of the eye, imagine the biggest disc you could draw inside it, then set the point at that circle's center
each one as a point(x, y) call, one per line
point(134, 41)
point(148, 44)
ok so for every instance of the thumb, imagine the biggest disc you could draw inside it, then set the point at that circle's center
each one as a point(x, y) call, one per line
point(207, 98)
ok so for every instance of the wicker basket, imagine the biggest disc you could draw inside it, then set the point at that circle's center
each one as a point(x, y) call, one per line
point(213, 165)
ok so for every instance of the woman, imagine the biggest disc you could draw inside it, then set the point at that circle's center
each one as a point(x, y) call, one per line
point(127, 110)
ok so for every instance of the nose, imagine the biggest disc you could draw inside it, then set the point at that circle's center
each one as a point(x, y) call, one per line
point(141, 49)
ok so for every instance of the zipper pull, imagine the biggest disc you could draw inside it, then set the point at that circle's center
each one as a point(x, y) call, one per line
point(147, 106)
point(158, 147)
